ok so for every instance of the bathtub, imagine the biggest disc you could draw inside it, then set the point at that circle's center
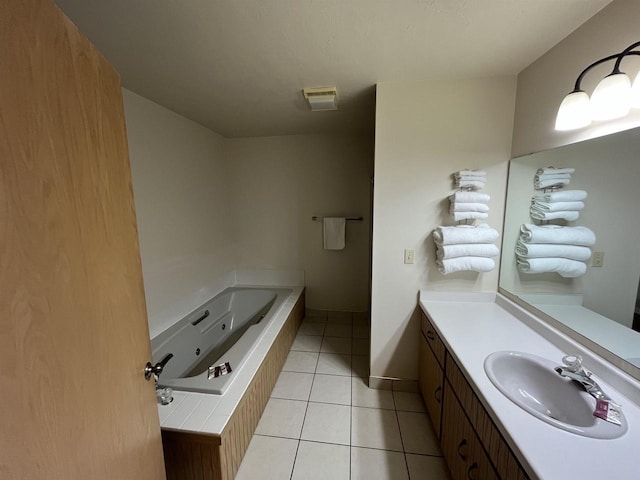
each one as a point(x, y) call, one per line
point(223, 331)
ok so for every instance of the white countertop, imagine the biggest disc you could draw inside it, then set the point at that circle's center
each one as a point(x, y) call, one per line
point(474, 325)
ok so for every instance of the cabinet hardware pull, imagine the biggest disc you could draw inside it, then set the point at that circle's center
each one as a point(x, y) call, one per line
point(438, 394)
point(472, 468)
point(462, 455)
point(430, 335)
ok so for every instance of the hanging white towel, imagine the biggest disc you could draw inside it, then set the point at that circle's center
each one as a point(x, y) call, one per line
point(469, 197)
point(562, 266)
point(553, 170)
point(334, 232)
point(459, 264)
point(569, 216)
point(468, 207)
point(465, 234)
point(470, 173)
point(530, 233)
point(549, 182)
point(474, 184)
point(467, 250)
point(562, 196)
point(557, 206)
point(458, 216)
point(545, 250)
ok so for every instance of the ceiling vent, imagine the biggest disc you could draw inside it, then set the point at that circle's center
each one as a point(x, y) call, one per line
point(321, 99)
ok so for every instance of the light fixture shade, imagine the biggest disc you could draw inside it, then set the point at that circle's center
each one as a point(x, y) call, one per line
point(635, 92)
point(611, 98)
point(574, 112)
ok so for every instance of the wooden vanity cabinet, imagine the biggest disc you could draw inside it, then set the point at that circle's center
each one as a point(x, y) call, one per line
point(461, 446)
point(471, 443)
point(431, 384)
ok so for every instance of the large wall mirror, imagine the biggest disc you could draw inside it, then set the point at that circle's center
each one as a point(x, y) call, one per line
point(601, 305)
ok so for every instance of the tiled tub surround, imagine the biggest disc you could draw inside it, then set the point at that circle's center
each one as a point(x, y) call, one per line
point(472, 326)
point(323, 422)
point(205, 436)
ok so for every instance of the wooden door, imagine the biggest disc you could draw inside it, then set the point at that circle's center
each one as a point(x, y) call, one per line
point(73, 332)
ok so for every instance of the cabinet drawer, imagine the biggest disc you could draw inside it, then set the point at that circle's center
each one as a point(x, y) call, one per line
point(431, 384)
point(433, 339)
point(461, 447)
point(503, 459)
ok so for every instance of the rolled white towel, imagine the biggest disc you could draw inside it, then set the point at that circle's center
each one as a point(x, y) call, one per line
point(553, 170)
point(545, 250)
point(545, 183)
point(459, 264)
point(469, 197)
point(562, 196)
point(562, 266)
point(530, 233)
point(465, 234)
point(467, 250)
point(468, 207)
point(569, 216)
point(470, 173)
point(557, 206)
point(474, 184)
point(459, 216)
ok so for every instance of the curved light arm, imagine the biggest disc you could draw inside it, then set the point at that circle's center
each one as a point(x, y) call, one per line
point(616, 69)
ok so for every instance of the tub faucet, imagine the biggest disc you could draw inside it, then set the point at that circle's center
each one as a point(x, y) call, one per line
point(156, 370)
point(573, 370)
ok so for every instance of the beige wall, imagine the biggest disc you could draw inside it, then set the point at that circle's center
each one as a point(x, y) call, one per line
point(207, 205)
point(278, 184)
point(185, 240)
point(425, 132)
point(543, 85)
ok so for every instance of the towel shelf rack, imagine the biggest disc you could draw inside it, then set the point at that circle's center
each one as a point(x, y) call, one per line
point(349, 219)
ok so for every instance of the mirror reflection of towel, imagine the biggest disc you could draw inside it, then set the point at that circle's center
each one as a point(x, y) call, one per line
point(334, 232)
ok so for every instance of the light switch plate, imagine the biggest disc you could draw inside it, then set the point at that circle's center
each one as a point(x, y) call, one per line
point(598, 259)
point(408, 255)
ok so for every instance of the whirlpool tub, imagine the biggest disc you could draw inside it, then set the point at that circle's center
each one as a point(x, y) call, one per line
point(221, 333)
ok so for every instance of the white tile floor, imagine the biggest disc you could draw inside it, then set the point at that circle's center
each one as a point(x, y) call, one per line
point(323, 422)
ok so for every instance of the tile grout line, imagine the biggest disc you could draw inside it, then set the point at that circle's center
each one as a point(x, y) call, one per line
point(306, 408)
point(351, 405)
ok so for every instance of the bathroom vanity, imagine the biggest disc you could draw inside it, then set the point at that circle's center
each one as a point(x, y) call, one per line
point(485, 435)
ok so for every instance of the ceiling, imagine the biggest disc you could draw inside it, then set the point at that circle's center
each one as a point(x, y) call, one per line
point(238, 66)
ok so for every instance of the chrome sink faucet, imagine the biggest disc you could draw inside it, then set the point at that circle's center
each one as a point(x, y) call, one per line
point(573, 370)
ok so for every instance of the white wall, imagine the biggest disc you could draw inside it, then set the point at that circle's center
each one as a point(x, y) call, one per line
point(278, 184)
point(543, 85)
point(179, 187)
point(424, 132)
point(207, 206)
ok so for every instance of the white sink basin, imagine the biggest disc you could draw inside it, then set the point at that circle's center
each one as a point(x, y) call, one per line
point(532, 383)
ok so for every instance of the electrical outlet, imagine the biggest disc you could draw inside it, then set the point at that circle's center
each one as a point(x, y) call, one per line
point(597, 259)
point(408, 255)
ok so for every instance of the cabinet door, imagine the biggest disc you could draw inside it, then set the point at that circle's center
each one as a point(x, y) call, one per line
point(433, 339)
point(460, 445)
point(431, 384)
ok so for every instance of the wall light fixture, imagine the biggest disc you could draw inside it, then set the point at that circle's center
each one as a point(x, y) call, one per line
point(613, 97)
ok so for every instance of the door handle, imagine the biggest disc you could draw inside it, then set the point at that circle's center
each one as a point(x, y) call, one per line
point(437, 394)
point(151, 370)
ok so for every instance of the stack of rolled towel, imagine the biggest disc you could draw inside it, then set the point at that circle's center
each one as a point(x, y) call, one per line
point(550, 177)
point(564, 205)
point(465, 247)
point(470, 179)
point(469, 205)
point(553, 248)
